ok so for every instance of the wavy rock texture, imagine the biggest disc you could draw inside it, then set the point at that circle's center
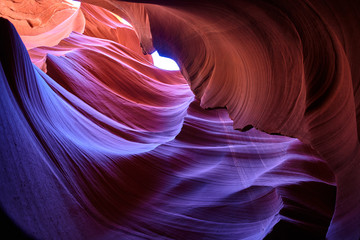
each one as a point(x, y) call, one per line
point(97, 143)
point(42, 22)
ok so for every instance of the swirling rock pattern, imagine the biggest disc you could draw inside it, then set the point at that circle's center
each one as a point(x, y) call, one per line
point(97, 143)
point(42, 22)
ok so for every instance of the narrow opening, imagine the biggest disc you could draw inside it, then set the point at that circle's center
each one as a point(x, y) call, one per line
point(164, 63)
point(159, 61)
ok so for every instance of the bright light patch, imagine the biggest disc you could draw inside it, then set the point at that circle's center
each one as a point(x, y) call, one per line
point(123, 21)
point(164, 63)
point(73, 3)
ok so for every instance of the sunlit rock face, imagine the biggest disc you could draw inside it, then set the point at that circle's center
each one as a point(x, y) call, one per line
point(42, 22)
point(98, 143)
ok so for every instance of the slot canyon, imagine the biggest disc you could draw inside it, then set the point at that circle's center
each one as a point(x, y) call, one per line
point(255, 136)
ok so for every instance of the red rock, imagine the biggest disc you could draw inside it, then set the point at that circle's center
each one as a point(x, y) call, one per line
point(115, 131)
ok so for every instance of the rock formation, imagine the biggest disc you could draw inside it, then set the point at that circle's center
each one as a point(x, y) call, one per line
point(256, 137)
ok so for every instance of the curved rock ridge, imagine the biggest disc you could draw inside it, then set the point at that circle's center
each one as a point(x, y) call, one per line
point(283, 67)
point(96, 137)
